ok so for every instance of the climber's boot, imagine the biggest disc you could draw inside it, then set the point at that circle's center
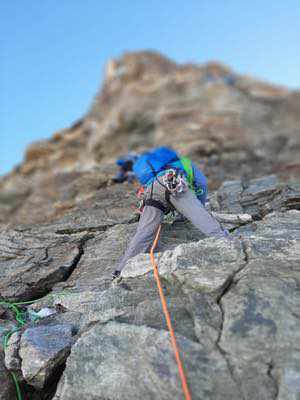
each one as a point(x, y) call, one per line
point(116, 277)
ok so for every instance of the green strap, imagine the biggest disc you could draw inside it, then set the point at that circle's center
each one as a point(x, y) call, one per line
point(18, 390)
point(188, 168)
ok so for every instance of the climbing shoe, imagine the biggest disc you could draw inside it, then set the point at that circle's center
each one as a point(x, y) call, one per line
point(116, 276)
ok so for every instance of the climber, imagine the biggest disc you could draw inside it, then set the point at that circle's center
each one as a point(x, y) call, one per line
point(125, 172)
point(170, 183)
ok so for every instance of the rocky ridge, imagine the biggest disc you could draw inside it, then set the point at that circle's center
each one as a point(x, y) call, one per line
point(236, 125)
point(234, 306)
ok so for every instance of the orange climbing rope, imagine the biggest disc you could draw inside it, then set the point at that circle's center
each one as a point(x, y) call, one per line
point(168, 320)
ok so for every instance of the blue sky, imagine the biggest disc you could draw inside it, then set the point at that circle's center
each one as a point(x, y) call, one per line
point(52, 52)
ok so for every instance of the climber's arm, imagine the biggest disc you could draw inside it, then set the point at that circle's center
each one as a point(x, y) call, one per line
point(200, 184)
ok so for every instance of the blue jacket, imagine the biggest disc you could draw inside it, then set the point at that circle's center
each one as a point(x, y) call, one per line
point(200, 184)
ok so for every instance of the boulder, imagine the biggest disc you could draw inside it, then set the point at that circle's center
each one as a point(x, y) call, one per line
point(43, 350)
point(12, 359)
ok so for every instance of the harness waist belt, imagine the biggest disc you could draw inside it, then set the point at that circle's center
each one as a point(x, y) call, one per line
point(156, 204)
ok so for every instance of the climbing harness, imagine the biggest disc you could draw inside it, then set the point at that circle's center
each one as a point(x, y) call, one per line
point(183, 379)
point(180, 175)
point(176, 175)
point(173, 183)
point(157, 204)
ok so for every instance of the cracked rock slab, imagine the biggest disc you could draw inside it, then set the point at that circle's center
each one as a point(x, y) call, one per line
point(231, 221)
point(206, 265)
point(42, 350)
point(109, 206)
point(256, 197)
point(31, 262)
point(102, 253)
point(261, 312)
point(135, 301)
point(95, 267)
point(121, 361)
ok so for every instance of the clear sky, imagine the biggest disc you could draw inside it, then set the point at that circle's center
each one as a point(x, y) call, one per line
point(53, 51)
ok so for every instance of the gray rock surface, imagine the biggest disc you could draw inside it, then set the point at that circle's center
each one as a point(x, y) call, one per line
point(121, 361)
point(12, 359)
point(32, 261)
point(234, 306)
point(257, 197)
point(42, 350)
point(220, 296)
point(110, 206)
point(204, 266)
point(261, 311)
point(7, 390)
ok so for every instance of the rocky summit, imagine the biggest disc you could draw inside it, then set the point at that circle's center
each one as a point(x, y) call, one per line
point(68, 333)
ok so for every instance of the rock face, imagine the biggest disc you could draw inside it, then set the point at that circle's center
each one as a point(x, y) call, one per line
point(42, 350)
point(234, 307)
point(234, 125)
point(261, 321)
point(32, 262)
point(137, 362)
point(234, 304)
point(257, 197)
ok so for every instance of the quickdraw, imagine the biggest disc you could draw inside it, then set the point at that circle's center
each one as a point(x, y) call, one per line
point(174, 181)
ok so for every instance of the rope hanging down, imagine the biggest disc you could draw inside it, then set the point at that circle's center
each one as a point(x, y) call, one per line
point(168, 320)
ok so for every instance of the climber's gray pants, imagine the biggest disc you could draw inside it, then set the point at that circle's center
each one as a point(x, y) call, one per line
point(186, 203)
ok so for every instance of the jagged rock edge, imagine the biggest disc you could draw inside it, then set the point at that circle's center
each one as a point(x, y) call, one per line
point(271, 367)
point(231, 282)
point(101, 228)
point(227, 287)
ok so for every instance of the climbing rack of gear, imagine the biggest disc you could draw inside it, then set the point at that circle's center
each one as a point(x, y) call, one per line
point(174, 182)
